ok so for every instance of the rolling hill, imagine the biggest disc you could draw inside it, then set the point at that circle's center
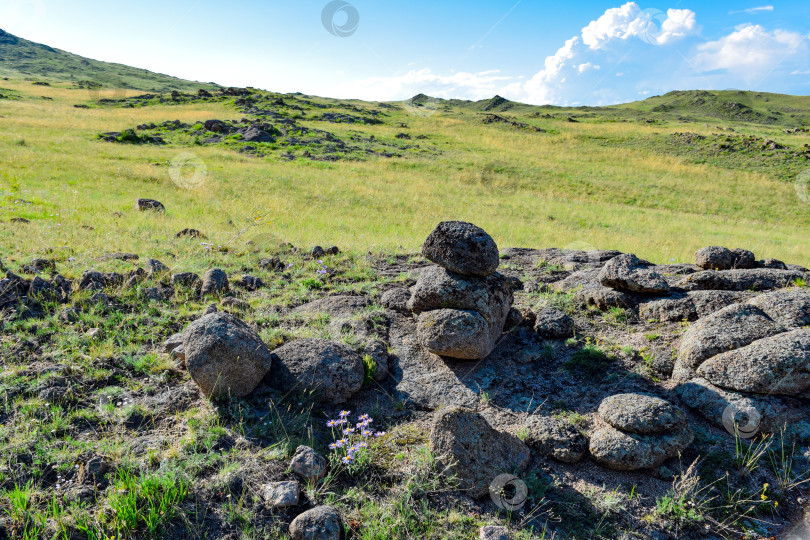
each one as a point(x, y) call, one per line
point(22, 57)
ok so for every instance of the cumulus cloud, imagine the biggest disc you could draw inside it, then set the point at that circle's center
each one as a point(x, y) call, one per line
point(750, 50)
point(621, 23)
point(629, 20)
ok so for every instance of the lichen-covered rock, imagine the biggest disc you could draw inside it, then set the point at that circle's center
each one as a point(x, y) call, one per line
point(604, 298)
point(462, 248)
point(627, 273)
point(730, 328)
point(622, 451)
point(639, 413)
point(224, 356)
point(396, 299)
point(333, 370)
point(774, 365)
point(720, 258)
point(553, 324)
point(556, 438)
point(438, 288)
point(308, 464)
point(788, 307)
point(320, 523)
point(456, 333)
point(690, 306)
point(468, 447)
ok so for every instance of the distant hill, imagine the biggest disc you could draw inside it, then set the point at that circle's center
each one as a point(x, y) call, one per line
point(22, 57)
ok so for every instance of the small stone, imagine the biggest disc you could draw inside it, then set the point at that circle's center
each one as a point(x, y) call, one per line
point(308, 464)
point(280, 494)
point(149, 204)
point(332, 250)
point(493, 532)
point(553, 324)
point(556, 438)
point(396, 299)
point(318, 252)
point(186, 280)
point(232, 304)
point(155, 267)
point(320, 523)
point(93, 334)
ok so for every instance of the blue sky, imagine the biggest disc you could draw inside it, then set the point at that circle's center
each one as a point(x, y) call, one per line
point(584, 53)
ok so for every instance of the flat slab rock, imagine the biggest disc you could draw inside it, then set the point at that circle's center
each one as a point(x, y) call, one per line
point(755, 279)
point(332, 369)
point(467, 446)
point(690, 306)
point(774, 365)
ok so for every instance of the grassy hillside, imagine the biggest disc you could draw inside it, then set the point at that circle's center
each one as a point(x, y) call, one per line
point(22, 57)
point(534, 176)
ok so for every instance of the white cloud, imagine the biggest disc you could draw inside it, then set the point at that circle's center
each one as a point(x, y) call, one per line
point(753, 10)
point(629, 20)
point(582, 68)
point(750, 50)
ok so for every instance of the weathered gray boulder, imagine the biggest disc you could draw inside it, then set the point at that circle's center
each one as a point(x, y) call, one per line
point(308, 464)
point(627, 273)
point(774, 365)
point(224, 356)
point(556, 438)
point(438, 288)
point(186, 280)
point(468, 447)
point(553, 324)
point(456, 333)
point(755, 279)
point(462, 248)
point(789, 307)
point(730, 328)
point(215, 281)
point(643, 432)
point(604, 298)
point(720, 258)
point(320, 523)
point(155, 267)
point(623, 451)
point(640, 413)
point(332, 369)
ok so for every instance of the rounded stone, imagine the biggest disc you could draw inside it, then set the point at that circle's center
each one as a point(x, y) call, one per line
point(462, 248)
point(320, 523)
point(639, 413)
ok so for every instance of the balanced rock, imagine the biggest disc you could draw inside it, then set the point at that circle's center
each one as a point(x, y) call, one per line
point(456, 333)
point(320, 523)
point(642, 432)
point(556, 438)
point(462, 248)
point(627, 273)
point(332, 369)
point(469, 448)
point(224, 356)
